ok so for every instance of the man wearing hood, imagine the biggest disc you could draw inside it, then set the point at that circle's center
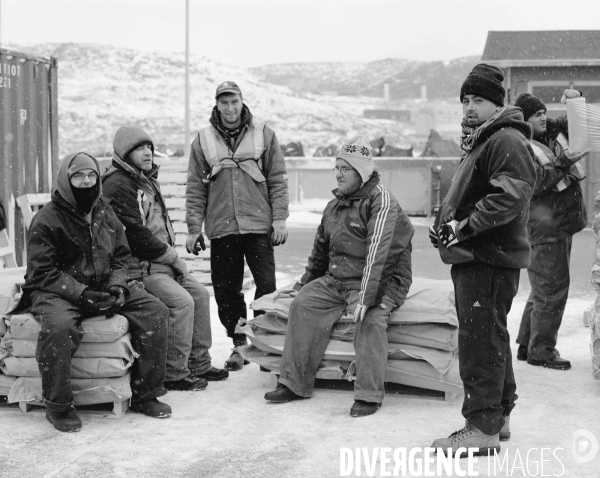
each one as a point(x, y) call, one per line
point(481, 230)
point(132, 186)
point(237, 188)
point(557, 213)
point(360, 263)
point(77, 268)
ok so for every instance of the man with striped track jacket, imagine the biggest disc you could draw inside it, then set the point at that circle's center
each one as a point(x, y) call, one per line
point(360, 263)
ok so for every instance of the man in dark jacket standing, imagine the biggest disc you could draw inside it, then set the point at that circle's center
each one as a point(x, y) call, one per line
point(557, 212)
point(237, 188)
point(481, 230)
point(360, 263)
point(132, 186)
point(77, 268)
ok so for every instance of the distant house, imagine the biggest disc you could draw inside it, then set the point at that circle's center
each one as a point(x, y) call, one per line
point(544, 63)
point(396, 115)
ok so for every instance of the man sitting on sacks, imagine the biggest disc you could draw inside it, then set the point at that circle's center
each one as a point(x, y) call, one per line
point(361, 262)
point(77, 266)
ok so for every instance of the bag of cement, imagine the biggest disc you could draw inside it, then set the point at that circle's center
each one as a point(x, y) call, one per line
point(80, 367)
point(85, 391)
point(120, 348)
point(6, 383)
point(95, 329)
point(3, 326)
point(277, 302)
point(437, 336)
point(418, 369)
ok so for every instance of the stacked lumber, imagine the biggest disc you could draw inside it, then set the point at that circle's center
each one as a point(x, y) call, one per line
point(422, 339)
point(99, 368)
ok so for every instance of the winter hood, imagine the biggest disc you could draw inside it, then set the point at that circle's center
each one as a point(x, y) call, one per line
point(62, 185)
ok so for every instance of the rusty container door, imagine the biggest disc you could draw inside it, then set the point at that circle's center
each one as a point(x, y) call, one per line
point(28, 132)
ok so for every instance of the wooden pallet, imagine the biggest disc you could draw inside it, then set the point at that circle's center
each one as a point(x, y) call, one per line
point(119, 407)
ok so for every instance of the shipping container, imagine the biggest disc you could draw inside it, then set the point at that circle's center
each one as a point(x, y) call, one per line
point(28, 132)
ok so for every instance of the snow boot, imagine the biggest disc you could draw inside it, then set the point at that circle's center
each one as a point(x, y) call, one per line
point(236, 361)
point(152, 408)
point(282, 394)
point(363, 409)
point(468, 437)
point(66, 421)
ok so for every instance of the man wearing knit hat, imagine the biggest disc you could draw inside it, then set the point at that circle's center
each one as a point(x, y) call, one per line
point(77, 268)
point(360, 265)
point(481, 230)
point(236, 188)
point(132, 186)
point(557, 212)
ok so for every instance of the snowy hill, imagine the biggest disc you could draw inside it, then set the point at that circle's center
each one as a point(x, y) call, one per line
point(102, 87)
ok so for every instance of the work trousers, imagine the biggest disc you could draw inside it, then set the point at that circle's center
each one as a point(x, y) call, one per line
point(549, 278)
point(227, 264)
point(314, 311)
point(189, 336)
point(484, 295)
point(61, 335)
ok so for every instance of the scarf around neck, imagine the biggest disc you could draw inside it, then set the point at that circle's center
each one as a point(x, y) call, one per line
point(470, 136)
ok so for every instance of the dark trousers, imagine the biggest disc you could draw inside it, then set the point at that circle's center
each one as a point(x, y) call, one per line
point(61, 335)
point(484, 295)
point(227, 263)
point(550, 280)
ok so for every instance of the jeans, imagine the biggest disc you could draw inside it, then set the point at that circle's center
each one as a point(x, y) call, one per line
point(315, 309)
point(227, 263)
point(61, 335)
point(550, 280)
point(189, 334)
point(484, 295)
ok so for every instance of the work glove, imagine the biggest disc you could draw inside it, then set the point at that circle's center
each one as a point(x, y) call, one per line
point(118, 293)
point(280, 232)
point(433, 237)
point(180, 270)
point(96, 303)
point(449, 233)
point(569, 158)
point(570, 94)
point(194, 243)
point(360, 312)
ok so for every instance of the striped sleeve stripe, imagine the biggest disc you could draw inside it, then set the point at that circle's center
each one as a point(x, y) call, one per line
point(377, 234)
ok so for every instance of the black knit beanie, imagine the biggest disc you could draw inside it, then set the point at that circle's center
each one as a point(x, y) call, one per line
point(529, 104)
point(485, 81)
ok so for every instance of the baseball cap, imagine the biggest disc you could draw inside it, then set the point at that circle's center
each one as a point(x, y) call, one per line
point(227, 87)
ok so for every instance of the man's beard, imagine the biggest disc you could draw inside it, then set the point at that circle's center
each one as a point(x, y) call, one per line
point(85, 197)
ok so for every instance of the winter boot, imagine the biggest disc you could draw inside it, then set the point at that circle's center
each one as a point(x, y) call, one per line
point(363, 409)
point(505, 431)
point(282, 394)
point(468, 437)
point(66, 421)
point(152, 408)
point(186, 384)
point(236, 361)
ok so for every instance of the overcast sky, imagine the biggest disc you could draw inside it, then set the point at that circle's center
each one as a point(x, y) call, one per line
point(259, 32)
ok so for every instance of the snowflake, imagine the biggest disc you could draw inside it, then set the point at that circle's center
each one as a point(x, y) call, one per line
point(350, 148)
point(365, 151)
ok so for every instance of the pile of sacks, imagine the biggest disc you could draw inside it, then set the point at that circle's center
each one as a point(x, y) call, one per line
point(99, 368)
point(422, 338)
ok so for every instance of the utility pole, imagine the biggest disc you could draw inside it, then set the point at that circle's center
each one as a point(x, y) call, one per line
point(186, 147)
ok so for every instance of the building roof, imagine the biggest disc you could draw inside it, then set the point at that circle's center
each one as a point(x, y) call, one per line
point(542, 48)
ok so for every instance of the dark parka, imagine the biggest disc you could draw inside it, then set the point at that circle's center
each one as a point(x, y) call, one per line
point(66, 255)
point(491, 191)
point(364, 241)
point(554, 214)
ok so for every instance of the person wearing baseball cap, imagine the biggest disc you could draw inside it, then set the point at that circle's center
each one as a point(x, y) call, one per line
point(556, 213)
point(361, 265)
point(481, 230)
point(237, 190)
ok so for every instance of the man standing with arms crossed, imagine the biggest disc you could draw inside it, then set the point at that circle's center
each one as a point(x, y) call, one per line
point(481, 230)
point(237, 187)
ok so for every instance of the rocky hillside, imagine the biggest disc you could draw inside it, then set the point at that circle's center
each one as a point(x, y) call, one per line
point(102, 87)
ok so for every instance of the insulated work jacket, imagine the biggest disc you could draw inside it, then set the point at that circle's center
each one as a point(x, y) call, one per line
point(65, 254)
point(557, 207)
point(364, 241)
point(236, 191)
point(492, 188)
point(137, 200)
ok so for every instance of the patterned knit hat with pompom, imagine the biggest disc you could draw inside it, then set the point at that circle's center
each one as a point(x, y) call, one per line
point(357, 152)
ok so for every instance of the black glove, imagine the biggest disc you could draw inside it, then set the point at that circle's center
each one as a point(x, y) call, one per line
point(96, 303)
point(194, 244)
point(433, 237)
point(449, 233)
point(119, 293)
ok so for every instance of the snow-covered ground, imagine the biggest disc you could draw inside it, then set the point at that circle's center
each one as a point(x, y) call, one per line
point(229, 430)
